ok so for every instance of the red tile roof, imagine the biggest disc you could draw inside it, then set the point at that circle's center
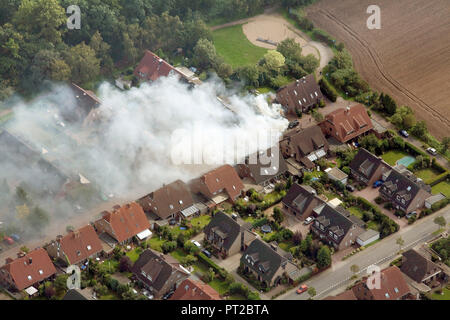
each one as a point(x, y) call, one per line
point(346, 295)
point(30, 269)
point(127, 221)
point(349, 122)
point(194, 290)
point(151, 67)
point(80, 244)
point(224, 177)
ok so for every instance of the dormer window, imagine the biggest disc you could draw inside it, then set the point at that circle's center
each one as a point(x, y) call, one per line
point(387, 295)
point(217, 179)
point(396, 290)
point(78, 253)
point(41, 272)
point(89, 248)
point(180, 202)
point(30, 278)
point(170, 206)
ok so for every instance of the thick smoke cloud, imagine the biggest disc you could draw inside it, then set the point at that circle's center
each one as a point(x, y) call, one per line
point(129, 147)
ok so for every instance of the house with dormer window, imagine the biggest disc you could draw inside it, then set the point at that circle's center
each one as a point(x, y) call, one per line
point(301, 200)
point(337, 227)
point(404, 190)
point(366, 168)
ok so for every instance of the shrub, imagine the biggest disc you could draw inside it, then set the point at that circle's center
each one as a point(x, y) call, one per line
point(328, 90)
point(169, 246)
point(220, 271)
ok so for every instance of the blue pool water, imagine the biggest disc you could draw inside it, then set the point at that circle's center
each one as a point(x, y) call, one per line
point(406, 161)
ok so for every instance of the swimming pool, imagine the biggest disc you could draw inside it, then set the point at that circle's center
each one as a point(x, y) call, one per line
point(406, 161)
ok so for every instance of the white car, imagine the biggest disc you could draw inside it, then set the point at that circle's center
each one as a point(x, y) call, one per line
point(197, 244)
point(432, 151)
point(147, 294)
point(308, 220)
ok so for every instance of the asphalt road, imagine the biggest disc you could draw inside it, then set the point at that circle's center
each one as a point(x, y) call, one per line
point(338, 276)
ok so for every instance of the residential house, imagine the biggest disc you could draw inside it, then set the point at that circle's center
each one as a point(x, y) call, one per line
point(171, 201)
point(226, 235)
point(336, 175)
point(367, 237)
point(337, 227)
point(124, 223)
point(79, 105)
point(366, 168)
point(77, 294)
point(305, 146)
point(195, 290)
point(151, 68)
point(219, 185)
point(346, 295)
point(76, 247)
point(263, 167)
point(301, 95)
point(268, 263)
point(27, 271)
point(419, 268)
point(347, 124)
point(159, 273)
point(404, 190)
point(434, 199)
point(301, 200)
point(391, 286)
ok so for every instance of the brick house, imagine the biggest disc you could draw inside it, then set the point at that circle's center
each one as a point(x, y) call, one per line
point(226, 235)
point(300, 96)
point(347, 124)
point(305, 146)
point(195, 290)
point(76, 247)
point(124, 223)
point(337, 227)
point(301, 200)
point(366, 168)
point(159, 273)
point(29, 270)
point(404, 190)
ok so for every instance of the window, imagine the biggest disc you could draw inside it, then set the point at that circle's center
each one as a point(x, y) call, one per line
point(89, 248)
point(41, 272)
point(396, 290)
point(78, 253)
point(30, 278)
point(180, 202)
point(170, 206)
point(387, 295)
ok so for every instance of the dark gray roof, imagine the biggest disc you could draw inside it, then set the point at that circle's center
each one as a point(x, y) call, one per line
point(366, 163)
point(335, 219)
point(266, 260)
point(263, 172)
point(416, 266)
point(223, 223)
point(305, 89)
point(75, 294)
point(299, 197)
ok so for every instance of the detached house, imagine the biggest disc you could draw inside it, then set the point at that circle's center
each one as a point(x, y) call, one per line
point(159, 273)
point(124, 223)
point(171, 201)
point(301, 200)
point(263, 167)
point(226, 235)
point(347, 124)
point(404, 190)
point(219, 185)
point(305, 146)
point(27, 271)
point(337, 227)
point(82, 103)
point(366, 168)
point(392, 286)
point(419, 268)
point(268, 263)
point(300, 95)
point(195, 290)
point(76, 247)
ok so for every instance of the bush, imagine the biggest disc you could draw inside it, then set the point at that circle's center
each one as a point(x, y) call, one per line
point(328, 90)
point(220, 271)
point(169, 246)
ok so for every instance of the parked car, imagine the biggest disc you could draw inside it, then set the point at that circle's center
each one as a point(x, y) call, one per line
point(350, 188)
point(404, 133)
point(15, 237)
point(377, 183)
point(411, 214)
point(206, 253)
point(197, 244)
point(308, 220)
point(8, 240)
point(167, 295)
point(432, 151)
point(172, 222)
point(302, 289)
point(147, 294)
point(293, 124)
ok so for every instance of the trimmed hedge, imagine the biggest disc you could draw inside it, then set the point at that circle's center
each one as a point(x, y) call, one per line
point(260, 222)
point(442, 177)
point(220, 271)
point(383, 220)
point(328, 90)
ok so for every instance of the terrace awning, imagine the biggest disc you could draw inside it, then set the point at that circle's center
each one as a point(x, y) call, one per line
point(190, 211)
point(144, 234)
point(31, 290)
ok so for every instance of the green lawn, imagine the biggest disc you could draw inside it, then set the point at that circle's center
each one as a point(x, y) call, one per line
point(427, 175)
point(286, 245)
point(155, 243)
point(373, 225)
point(232, 44)
point(356, 211)
point(133, 255)
point(236, 297)
point(201, 221)
point(443, 187)
point(445, 296)
point(219, 285)
point(178, 254)
point(392, 156)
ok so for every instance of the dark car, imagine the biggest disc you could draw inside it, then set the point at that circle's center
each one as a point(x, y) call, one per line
point(350, 188)
point(167, 295)
point(377, 183)
point(411, 214)
point(293, 124)
point(206, 253)
point(404, 133)
point(15, 237)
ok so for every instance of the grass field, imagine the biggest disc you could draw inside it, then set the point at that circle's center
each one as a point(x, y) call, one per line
point(201, 221)
point(427, 175)
point(232, 44)
point(392, 156)
point(356, 212)
point(445, 296)
point(443, 187)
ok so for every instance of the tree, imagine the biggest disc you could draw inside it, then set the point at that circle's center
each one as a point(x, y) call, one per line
point(440, 221)
point(389, 105)
point(354, 268)
point(130, 50)
point(290, 49)
point(125, 264)
point(419, 129)
point(24, 249)
point(204, 54)
point(83, 62)
point(60, 282)
point(312, 291)
point(317, 116)
point(50, 292)
point(278, 215)
point(445, 144)
point(100, 47)
point(400, 242)
point(297, 238)
point(323, 257)
point(169, 246)
point(38, 218)
point(273, 60)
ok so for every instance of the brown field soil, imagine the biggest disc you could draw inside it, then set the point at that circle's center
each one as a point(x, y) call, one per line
point(408, 58)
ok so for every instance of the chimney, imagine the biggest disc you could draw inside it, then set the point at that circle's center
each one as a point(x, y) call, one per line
point(116, 207)
point(30, 261)
point(8, 260)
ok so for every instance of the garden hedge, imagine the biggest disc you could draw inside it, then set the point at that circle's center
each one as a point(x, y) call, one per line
point(220, 271)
